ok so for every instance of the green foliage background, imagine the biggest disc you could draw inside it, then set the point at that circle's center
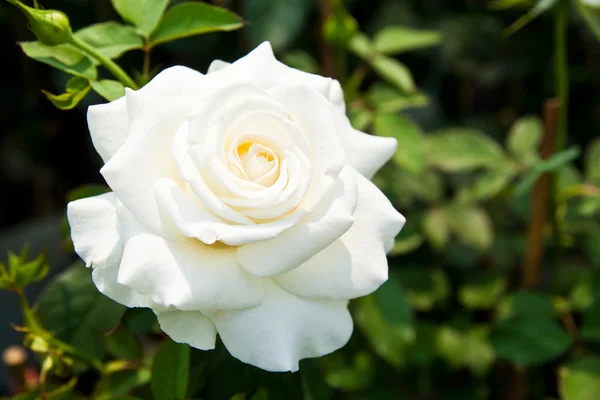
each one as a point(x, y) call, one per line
point(460, 84)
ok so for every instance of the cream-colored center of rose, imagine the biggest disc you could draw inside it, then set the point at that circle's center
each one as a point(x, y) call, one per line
point(259, 163)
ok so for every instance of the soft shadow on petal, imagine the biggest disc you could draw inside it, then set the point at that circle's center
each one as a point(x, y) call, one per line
point(356, 264)
point(190, 327)
point(187, 275)
point(331, 219)
point(109, 123)
point(284, 329)
point(98, 240)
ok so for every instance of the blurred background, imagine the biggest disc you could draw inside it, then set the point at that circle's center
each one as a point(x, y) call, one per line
point(475, 78)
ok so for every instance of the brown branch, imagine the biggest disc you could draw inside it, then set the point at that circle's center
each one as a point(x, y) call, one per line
point(328, 62)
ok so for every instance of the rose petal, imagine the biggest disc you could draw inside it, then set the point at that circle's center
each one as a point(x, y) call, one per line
point(298, 244)
point(190, 327)
point(98, 240)
point(108, 123)
point(284, 329)
point(356, 264)
point(187, 275)
point(217, 65)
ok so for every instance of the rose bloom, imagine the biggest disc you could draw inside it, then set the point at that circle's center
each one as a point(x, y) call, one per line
point(242, 205)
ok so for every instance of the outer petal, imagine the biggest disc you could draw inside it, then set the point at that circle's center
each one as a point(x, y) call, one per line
point(145, 156)
point(298, 244)
point(217, 65)
point(365, 153)
point(356, 264)
point(109, 123)
point(187, 275)
point(260, 67)
point(284, 329)
point(98, 240)
point(189, 327)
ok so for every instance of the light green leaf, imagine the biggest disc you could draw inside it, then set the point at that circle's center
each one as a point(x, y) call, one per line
point(410, 153)
point(580, 379)
point(529, 340)
point(360, 118)
point(22, 272)
point(406, 245)
point(279, 22)
point(109, 89)
point(194, 18)
point(386, 99)
point(472, 225)
point(456, 150)
point(63, 57)
point(482, 292)
point(465, 349)
point(592, 161)
point(488, 184)
point(76, 312)
point(77, 89)
point(394, 72)
point(399, 39)
point(170, 371)
point(111, 39)
point(301, 60)
point(424, 288)
point(591, 16)
point(144, 14)
point(120, 383)
point(506, 4)
point(436, 228)
point(355, 376)
point(360, 45)
point(427, 186)
point(539, 8)
point(524, 139)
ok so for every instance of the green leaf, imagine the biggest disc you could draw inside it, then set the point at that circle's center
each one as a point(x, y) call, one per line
point(76, 312)
point(109, 89)
point(170, 371)
point(355, 376)
point(488, 184)
point(592, 161)
point(591, 16)
point(456, 150)
point(313, 383)
point(63, 57)
point(525, 303)
point(301, 60)
point(410, 153)
point(482, 292)
point(360, 45)
point(386, 99)
point(120, 382)
point(111, 39)
point(555, 162)
point(279, 22)
point(436, 228)
point(524, 139)
point(76, 90)
point(389, 341)
point(194, 18)
point(392, 304)
point(423, 288)
point(394, 72)
point(399, 39)
point(580, 379)
point(427, 186)
point(144, 14)
point(360, 118)
point(406, 245)
point(472, 225)
point(22, 272)
point(122, 344)
point(590, 326)
point(528, 340)
point(539, 8)
point(87, 190)
point(469, 349)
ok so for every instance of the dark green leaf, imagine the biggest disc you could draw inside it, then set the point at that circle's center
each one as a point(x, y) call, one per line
point(109, 89)
point(144, 14)
point(455, 150)
point(410, 153)
point(63, 57)
point(120, 382)
point(592, 161)
point(392, 304)
point(590, 327)
point(76, 312)
point(591, 16)
point(76, 90)
point(122, 344)
point(111, 39)
point(194, 18)
point(540, 7)
point(87, 190)
point(313, 383)
point(279, 22)
point(525, 303)
point(399, 39)
point(301, 60)
point(528, 340)
point(580, 379)
point(170, 370)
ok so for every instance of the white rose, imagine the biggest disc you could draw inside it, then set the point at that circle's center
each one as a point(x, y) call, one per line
point(241, 205)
